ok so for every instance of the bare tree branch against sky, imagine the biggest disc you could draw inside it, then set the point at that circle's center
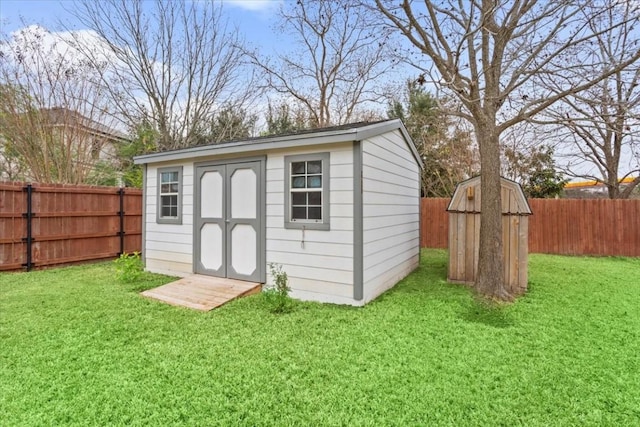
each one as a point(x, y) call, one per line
point(492, 56)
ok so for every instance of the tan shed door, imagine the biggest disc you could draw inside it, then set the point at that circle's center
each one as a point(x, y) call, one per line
point(228, 216)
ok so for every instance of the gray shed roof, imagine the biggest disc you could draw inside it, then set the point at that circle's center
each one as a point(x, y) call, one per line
point(342, 133)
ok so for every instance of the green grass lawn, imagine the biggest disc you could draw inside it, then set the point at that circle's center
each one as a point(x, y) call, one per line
point(79, 348)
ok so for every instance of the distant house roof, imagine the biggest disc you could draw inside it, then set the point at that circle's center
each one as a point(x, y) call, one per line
point(343, 133)
point(60, 116)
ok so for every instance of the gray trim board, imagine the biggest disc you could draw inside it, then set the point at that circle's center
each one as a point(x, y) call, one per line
point(143, 243)
point(358, 251)
point(326, 205)
point(262, 210)
point(230, 161)
point(357, 133)
point(178, 219)
point(419, 214)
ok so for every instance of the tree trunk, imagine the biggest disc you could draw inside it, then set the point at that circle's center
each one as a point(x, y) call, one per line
point(490, 278)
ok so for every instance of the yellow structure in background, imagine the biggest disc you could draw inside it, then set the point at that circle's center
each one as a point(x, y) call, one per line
point(583, 184)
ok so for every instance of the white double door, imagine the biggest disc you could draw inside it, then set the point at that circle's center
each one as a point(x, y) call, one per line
point(228, 228)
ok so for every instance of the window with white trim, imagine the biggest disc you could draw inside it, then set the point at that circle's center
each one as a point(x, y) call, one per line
point(307, 182)
point(170, 195)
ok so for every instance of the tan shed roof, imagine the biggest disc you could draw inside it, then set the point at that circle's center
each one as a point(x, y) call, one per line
point(467, 197)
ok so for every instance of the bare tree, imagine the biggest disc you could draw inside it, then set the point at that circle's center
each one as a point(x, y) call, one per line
point(490, 54)
point(598, 129)
point(443, 142)
point(54, 125)
point(283, 118)
point(172, 64)
point(337, 63)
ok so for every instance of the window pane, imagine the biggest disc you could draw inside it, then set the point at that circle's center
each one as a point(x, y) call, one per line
point(314, 181)
point(174, 187)
point(297, 182)
point(297, 168)
point(169, 177)
point(315, 198)
point(314, 167)
point(315, 213)
point(168, 206)
point(299, 213)
point(165, 188)
point(299, 198)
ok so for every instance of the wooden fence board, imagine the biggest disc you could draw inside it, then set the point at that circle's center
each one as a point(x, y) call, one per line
point(558, 226)
point(78, 223)
point(434, 223)
point(69, 224)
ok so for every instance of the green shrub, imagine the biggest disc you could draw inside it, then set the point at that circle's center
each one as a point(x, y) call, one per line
point(277, 295)
point(129, 267)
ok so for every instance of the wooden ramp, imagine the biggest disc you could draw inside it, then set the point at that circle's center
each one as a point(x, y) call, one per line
point(202, 292)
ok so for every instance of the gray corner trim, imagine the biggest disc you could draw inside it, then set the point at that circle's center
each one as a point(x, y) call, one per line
point(262, 209)
point(177, 220)
point(143, 243)
point(419, 195)
point(326, 192)
point(358, 251)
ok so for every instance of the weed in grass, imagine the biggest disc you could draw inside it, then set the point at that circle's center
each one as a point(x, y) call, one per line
point(277, 295)
point(129, 267)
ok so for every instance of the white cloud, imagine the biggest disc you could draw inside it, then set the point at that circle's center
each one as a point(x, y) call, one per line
point(254, 5)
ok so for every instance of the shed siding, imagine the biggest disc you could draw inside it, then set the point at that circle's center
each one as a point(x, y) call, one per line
point(318, 263)
point(391, 212)
point(169, 247)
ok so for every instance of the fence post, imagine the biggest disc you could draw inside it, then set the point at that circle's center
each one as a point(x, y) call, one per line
point(121, 214)
point(28, 215)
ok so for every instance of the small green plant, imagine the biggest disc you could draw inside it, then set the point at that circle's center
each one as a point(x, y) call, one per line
point(277, 295)
point(129, 267)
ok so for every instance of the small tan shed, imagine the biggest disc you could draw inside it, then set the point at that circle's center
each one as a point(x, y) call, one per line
point(464, 233)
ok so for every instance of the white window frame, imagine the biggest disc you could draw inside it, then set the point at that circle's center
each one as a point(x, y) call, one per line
point(307, 224)
point(160, 219)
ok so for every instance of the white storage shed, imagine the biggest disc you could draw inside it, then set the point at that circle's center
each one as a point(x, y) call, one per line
point(338, 208)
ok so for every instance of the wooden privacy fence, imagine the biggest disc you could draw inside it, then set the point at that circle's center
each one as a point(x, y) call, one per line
point(558, 226)
point(49, 224)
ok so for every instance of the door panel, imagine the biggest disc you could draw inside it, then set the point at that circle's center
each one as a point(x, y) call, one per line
point(243, 225)
point(210, 222)
point(228, 220)
point(211, 185)
point(211, 247)
point(243, 258)
point(243, 189)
